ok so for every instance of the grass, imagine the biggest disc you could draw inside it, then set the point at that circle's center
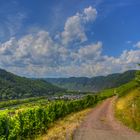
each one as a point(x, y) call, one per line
point(124, 89)
point(107, 93)
point(127, 109)
point(63, 129)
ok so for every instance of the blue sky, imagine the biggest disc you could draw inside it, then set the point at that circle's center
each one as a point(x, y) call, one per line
point(42, 38)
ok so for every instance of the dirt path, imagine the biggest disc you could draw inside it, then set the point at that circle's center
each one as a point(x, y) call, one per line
point(100, 124)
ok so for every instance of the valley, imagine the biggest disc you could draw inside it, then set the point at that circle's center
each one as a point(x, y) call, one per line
point(33, 116)
point(94, 84)
point(69, 69)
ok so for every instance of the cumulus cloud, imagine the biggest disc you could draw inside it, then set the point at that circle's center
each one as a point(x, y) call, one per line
point(89, 14)
point(8, 47)
point(91, 51)
point(137, 44)
point(34, 49)
point(74, 27)
point(38, 54)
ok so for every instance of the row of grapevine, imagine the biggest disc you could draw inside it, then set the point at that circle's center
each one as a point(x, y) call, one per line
point(9, 103)
point(34, 121)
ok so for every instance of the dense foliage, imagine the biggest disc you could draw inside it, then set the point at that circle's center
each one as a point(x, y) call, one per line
point(93, 84)
point(33, 121)
point(12, 86)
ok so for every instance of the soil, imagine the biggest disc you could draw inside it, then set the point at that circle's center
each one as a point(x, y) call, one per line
point(100, 124)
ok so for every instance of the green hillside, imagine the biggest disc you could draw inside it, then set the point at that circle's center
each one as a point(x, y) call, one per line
point(127, 108)
point(93, 84)
point(34, 116)
point(12, 86)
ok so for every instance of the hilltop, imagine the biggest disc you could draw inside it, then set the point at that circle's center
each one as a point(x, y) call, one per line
point(13, 86)
point(95, 83)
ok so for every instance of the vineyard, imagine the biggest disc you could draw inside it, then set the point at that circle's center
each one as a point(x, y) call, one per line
point(33, 118)
point(28, 118)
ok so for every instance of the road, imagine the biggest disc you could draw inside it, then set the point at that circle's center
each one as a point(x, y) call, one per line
point(100, 124)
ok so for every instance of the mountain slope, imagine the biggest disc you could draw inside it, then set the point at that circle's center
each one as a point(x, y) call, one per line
point(127, 109)
point(93, 84)
point(12, 86)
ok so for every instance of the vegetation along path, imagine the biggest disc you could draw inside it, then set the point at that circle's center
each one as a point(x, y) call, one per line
point(100, 124)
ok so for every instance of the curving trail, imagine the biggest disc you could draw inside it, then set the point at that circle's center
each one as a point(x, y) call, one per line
point(100, 124)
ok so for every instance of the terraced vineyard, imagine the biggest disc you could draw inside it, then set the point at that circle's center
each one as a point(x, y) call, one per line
point(28, 119)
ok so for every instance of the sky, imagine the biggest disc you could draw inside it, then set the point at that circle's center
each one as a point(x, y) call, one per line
point(65, 38)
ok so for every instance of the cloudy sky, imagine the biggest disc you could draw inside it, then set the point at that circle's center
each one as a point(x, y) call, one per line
point(63, 38)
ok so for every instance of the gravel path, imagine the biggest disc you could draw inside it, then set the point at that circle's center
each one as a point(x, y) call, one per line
point(100, 124)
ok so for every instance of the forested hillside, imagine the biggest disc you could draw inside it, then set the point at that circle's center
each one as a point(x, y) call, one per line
point(12, 86)
point(93, 84)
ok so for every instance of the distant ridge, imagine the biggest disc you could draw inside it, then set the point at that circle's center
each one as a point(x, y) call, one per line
point(13, 86)
point(95, 83)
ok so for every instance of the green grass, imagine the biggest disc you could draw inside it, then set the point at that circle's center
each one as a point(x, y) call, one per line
point(107, 93)
point(124, 89)
point(120, 91)
point(64, 128)
point(127, 109)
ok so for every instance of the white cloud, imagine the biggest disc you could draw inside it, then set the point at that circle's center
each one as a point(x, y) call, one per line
point(90, 14)
point(31, 49)
point(39, 55)
point(137, 44)
point(8, 47)
point(91, 51)
point(74, 29)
